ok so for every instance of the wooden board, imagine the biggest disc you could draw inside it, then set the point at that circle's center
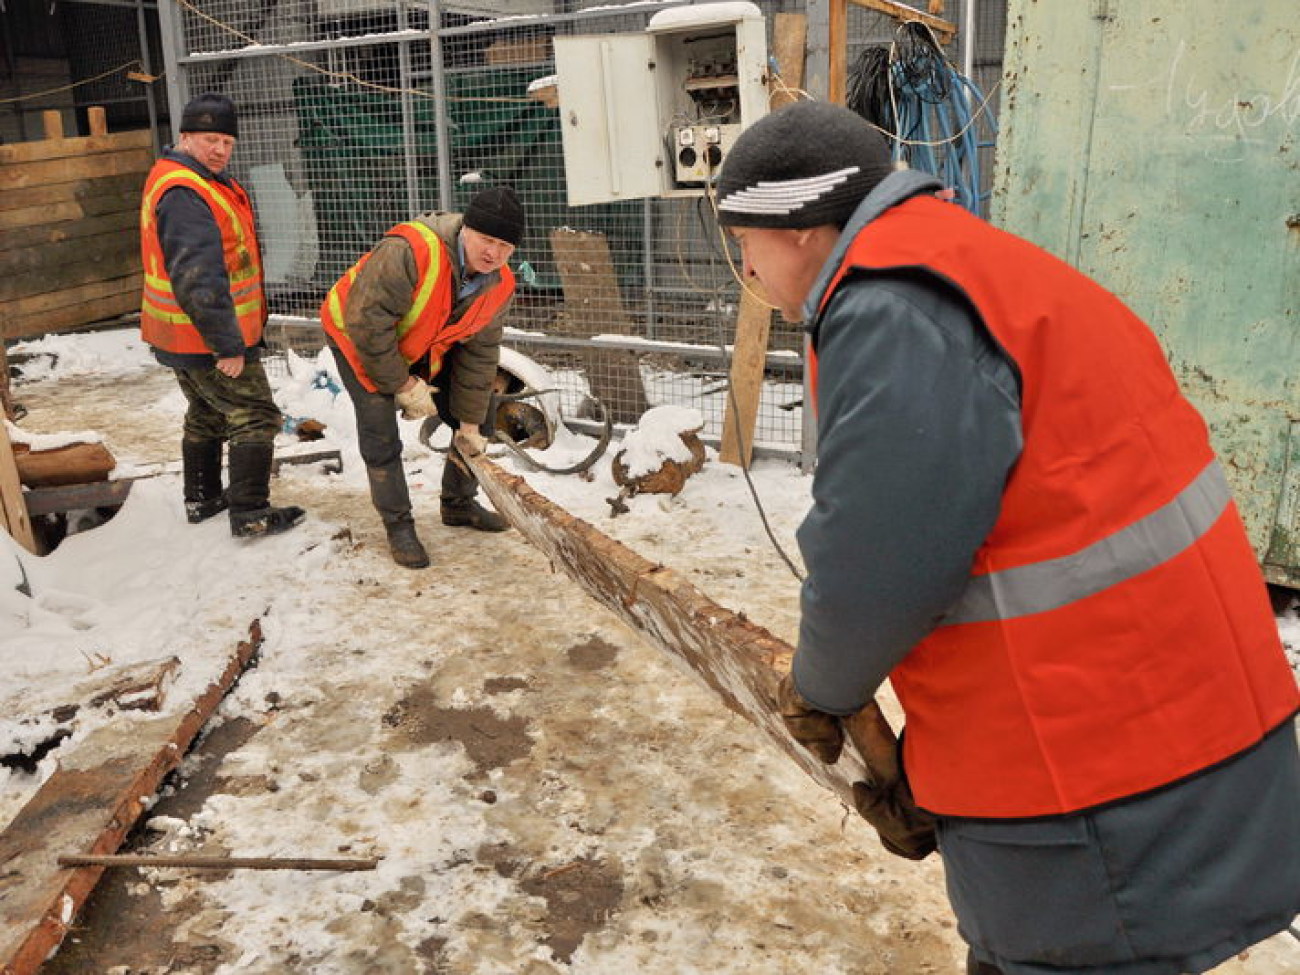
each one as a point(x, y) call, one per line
point(734, 658)
point(593, 305)
point(13, 509)
point(748, 361)
point(88, 806)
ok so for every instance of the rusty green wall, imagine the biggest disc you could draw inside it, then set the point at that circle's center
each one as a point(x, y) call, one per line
point(1153, 145)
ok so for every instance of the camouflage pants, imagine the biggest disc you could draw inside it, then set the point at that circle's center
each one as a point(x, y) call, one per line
point(239, 410)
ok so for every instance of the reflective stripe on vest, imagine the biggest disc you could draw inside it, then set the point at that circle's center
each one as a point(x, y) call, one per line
point(427, 326)
point(163, 322)
point(1115, 633)
point(1150, 541)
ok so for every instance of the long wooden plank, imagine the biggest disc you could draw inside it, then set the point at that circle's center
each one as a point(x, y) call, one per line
point(120, 223)
point(98, 290)
point(42, 149)
point(19, 175)
point(107, 246)
point(733, 657)
point(72, 317)
point(115, 260)
point(100, 195)
point(748, 361)
point(88, 805)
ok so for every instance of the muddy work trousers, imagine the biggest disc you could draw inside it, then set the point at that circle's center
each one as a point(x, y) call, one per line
point(239, 410)
point(380, 441)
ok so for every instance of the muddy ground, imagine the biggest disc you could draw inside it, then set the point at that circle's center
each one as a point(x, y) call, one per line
point(625, 821)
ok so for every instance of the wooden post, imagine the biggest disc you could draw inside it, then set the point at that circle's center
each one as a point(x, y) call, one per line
point(13, 508)
point(790, 48)
point(748, 359)
point(837, 83)
point(97, 120)
point(52, 123)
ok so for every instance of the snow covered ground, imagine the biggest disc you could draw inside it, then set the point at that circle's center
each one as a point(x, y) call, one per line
point(547, 793)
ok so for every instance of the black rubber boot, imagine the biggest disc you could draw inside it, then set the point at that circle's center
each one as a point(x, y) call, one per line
point(251, 515)
point(392, 500)
point(201, 468)
point(459, 509)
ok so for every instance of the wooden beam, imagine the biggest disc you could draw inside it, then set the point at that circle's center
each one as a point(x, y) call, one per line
point(52, 123)
point(77, 497)
point(838, 11)
point(737, 660)
point(13, 509)
point(25, 152)
point(905, 14)
point(790, 48)
point(73, 463)
point(745, 385)
point(97, 121)
point(90, 803)
point(67, 169)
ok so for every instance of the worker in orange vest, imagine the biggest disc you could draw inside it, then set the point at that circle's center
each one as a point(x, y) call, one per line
point(203, 311)
point(416, 325)
point(1019, 520)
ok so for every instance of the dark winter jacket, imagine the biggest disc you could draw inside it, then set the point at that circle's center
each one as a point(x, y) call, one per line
point(918, 403)
point(191, 245)
point(382, 294)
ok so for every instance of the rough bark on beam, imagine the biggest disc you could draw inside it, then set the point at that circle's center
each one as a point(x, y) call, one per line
point(90, 804)
point(75, 463)
point(737, 660)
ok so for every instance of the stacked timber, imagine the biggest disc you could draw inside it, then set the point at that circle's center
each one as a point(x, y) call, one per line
point(69, 212)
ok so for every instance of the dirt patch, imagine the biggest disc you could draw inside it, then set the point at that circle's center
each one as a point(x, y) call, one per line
point(490, 741)
point(592, 654)
point(581, 895)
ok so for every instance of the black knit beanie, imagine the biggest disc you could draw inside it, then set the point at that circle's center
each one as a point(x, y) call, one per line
point(805, 165)
point(498, 213)
point(210, 112)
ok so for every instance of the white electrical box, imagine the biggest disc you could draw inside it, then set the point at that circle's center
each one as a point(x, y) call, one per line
point(655, 114)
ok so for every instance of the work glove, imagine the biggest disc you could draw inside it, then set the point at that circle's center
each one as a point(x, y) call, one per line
point(819, 732)
point(469, 443)
point(904, 830)
point(417, 401)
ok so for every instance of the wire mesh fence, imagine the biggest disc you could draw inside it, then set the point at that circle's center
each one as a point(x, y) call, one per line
point(357, 114)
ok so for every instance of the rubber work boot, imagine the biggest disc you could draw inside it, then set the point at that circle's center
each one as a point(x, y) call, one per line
point(405, 545)
point(251, 515)
point(459, 509)
point(201, 467)
point(392, 500)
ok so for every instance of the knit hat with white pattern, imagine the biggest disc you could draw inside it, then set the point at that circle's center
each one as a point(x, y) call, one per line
point(805, 165)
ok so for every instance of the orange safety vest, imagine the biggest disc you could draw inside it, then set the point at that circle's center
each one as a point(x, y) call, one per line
point(163, 323)
point(1115, 634)
point(427, 326)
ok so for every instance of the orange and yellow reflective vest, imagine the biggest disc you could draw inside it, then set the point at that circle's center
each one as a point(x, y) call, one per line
point(1115, 634)
point(428, 325)
point(163, 323)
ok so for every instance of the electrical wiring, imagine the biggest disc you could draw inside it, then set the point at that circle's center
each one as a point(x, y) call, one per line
point(926, 107)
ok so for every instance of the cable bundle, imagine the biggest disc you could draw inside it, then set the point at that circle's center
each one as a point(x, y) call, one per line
point(924, 105)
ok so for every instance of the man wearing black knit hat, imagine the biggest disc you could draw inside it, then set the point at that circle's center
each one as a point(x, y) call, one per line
point(416, 326)
point(1019, 520)
point(203, 311)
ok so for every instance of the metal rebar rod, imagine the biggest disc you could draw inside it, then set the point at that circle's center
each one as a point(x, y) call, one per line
point(215, 863)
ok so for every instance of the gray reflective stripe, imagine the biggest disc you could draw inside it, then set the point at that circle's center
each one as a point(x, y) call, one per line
point(1143, 545)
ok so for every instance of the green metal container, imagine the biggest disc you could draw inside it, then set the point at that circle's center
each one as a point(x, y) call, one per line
point(1153, 145)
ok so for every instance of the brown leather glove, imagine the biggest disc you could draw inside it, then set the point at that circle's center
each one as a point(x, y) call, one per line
point(819, 732)
point(905, 830)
